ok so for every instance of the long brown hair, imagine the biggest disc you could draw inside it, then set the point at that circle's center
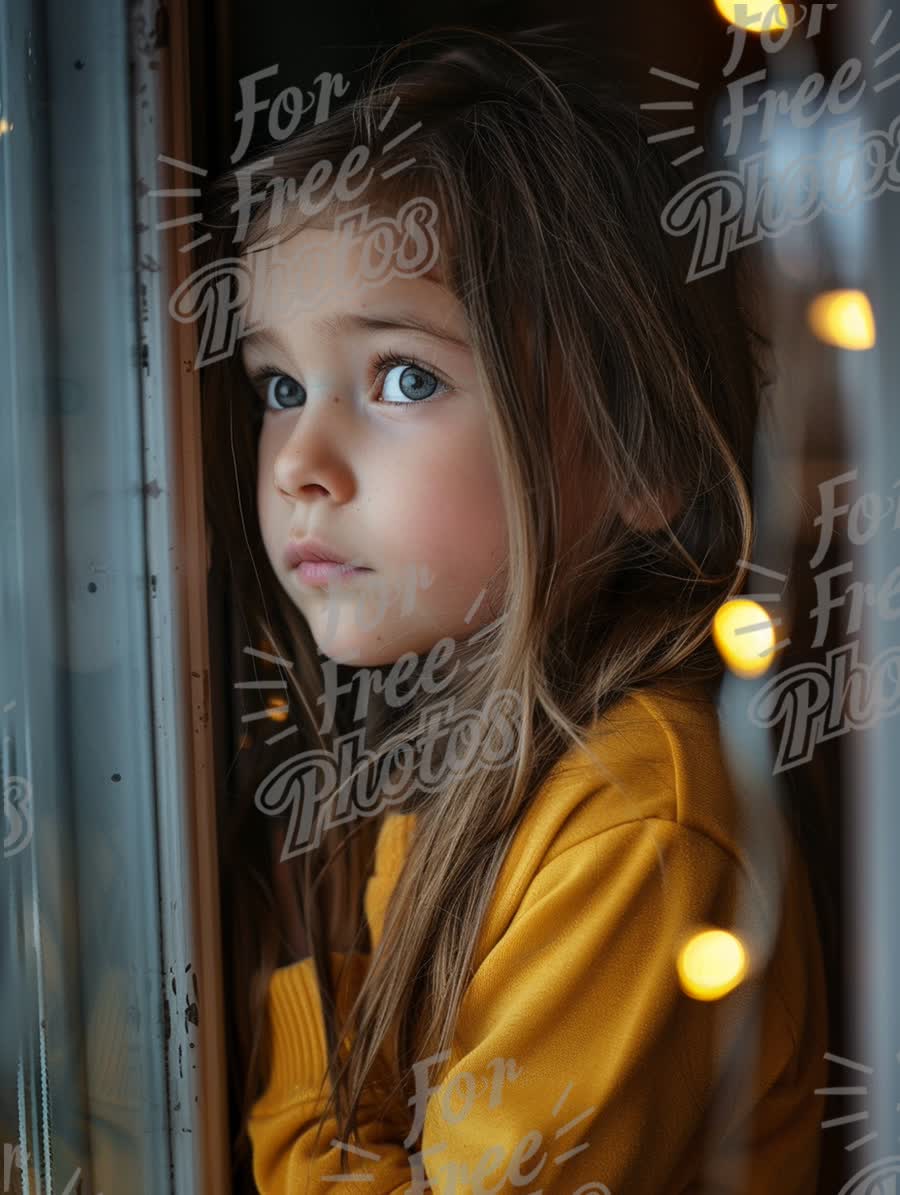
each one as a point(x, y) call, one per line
point(593, 353)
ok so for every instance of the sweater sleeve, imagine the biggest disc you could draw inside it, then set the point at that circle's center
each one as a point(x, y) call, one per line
point(290, 1151)
point(579, 1065)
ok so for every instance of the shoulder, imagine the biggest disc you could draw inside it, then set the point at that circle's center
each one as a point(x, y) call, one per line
point(650, 783)
point(651, 824)
point(655, 754)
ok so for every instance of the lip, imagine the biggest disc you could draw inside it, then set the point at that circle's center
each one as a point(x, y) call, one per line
point(324, 572)
point(317, 563)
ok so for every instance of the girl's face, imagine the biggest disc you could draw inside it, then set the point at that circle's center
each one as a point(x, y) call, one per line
point(375, 442)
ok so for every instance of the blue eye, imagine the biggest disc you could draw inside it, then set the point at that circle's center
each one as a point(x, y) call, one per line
point(280, 393)
point(413, 383)
point(417, 382)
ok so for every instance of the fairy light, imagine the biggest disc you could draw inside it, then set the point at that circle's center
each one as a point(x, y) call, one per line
point(843, 318)
point(745, 636)
point(711, 964)
point(753, 15)
point(278, 711)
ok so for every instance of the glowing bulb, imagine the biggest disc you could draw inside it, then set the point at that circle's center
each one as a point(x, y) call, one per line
point(754, 15)
point(843, 318)
point(745, 636)
point(5, 126)
point(278, 711)
point(711, 964)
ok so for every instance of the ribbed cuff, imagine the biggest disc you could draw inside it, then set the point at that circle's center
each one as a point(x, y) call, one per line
point(299, 1056)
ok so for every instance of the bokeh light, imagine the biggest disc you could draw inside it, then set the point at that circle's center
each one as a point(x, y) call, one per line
point(745, 636)
point(711, 964)
point(843, 318)
point(754, 15)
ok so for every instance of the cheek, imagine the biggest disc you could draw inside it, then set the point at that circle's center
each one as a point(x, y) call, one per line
point(447, 508)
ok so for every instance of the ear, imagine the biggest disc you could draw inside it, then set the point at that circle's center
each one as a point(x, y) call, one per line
point(642, 517)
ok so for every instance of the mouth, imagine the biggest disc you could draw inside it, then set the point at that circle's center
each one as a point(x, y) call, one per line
point(324, 572)
point(317, 562)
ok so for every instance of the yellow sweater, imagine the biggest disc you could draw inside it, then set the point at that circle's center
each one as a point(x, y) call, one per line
point(579, 1064)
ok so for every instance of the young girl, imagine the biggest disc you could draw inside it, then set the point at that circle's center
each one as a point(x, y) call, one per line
point(469, 373)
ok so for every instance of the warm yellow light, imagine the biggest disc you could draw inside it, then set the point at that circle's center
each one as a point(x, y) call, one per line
point(711, 964)
point(5, 126)
point(843, 318)
point(745, 636)
point(755, 16)
point(278, 711)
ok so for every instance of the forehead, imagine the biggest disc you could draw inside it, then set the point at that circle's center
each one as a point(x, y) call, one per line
point(328, 283)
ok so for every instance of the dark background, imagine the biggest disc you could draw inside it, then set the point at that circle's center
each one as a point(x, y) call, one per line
point(238, 37)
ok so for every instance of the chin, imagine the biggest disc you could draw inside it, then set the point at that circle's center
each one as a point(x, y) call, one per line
point(357, 651)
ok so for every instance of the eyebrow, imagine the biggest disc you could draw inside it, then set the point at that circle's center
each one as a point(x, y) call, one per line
point(351, 321)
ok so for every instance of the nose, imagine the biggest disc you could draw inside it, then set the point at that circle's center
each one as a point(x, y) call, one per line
point(312, 462)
